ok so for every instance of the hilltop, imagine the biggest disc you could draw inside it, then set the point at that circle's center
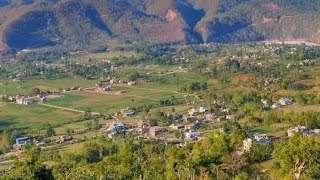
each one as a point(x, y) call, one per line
point(78, 24)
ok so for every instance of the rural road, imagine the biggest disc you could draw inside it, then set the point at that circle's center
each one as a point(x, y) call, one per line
point(67, 109)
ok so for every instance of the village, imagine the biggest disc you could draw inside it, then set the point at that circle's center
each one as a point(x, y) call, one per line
point(182, 101)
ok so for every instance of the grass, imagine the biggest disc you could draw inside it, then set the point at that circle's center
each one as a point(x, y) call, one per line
point(301, 108)
point(114, 101)
point(9, 87)
point(277, 129)
point(25, 117)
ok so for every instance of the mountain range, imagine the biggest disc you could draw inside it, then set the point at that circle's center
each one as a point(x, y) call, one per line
point(26, 24)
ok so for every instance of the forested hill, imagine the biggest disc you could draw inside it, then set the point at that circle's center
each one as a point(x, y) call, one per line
point(38, 23)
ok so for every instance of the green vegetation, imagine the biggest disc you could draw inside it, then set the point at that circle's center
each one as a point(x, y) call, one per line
point(95, 26)
point(222, 94)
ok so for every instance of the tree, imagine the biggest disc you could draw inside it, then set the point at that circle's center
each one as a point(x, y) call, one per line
point(298, 158)
point(260, 152)
point(35, 91)
point(49, 130)
point(29, 167)
point(69, 131)
point(7, 139)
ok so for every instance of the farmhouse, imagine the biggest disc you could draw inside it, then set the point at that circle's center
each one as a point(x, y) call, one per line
point(194, 126)
point(285, 101)
point(143, 127)
point(20, 142)
point(103, 86)
point(154, 131)
point(65, 138)
point(116, 126)
point(299, 129)
point(23, 100)
point(191, 136)
point(262, 138)
point(275, 106)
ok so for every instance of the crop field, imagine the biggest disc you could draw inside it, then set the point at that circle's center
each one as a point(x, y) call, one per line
point(24, 117)
point(9, 87)
point(121, 97)
point(302, 108)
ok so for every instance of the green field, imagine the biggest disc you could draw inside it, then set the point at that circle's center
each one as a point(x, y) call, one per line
point(24, 117)
point(114, 101)
point(9, 87)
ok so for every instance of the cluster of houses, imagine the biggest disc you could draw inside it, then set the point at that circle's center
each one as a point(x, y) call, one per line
point(23, 100)
point(20, 142)
point(266, 139)
point(145, 128)
point(302, 130)
point(116, 127)
point(305, 62)
point(103, 86)
point(42, 97)
point(282, 102)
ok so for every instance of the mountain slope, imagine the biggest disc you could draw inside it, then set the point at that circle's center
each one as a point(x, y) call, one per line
point(80, 23)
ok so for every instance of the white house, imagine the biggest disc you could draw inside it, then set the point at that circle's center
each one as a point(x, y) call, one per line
point(299, 129)
point(247, 144)
point(261, 138)
point(285, 101)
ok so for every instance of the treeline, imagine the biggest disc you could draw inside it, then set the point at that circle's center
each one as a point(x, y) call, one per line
point(213, 158)
point(309, 119)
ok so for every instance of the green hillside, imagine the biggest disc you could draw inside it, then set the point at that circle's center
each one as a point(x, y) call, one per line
point(81, 23)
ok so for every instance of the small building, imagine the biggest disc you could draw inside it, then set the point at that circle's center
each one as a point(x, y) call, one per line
point(154, 131)
point(261, 138)
point(177, 127)
point(127, 112)
point(247, 144)
point(23, 100)
point(285, 101)
point(42, 99)
point(143, 127)
point(116, 126)
point(65, 138)
point(191, 136)
point(202, 109)
point(275, 106)
point(265, 103)
point(103, 86)
point(193, 127)
point(299, 129)
point(22, 140)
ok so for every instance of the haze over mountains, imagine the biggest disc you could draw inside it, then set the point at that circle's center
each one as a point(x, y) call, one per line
point(38, 23)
